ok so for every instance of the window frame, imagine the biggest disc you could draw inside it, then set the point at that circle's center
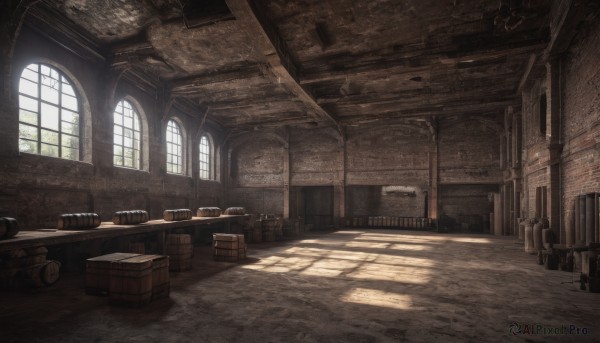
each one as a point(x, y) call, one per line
point(139, 152)
point(63, 80)
point(208, 161)
point(181, 145)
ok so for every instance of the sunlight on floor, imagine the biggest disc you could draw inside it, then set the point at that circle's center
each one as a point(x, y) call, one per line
point(401, 260)
point(379, 298)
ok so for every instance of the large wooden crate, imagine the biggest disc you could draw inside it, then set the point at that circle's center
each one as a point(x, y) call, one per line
point(161, 284)
point(97, 272)
point(229, 247)
point(179, 249)
point(131, 281)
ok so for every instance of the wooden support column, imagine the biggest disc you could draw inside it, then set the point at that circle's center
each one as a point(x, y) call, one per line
point(434, 179)
point(286, 175)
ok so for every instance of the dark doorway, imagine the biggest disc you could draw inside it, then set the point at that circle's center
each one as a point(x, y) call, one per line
point(318, 206)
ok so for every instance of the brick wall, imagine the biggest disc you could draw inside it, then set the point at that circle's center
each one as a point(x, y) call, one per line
point(580, 165)
point(36, 189)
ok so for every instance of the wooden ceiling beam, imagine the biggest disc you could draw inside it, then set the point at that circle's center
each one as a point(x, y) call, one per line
point(276, 52)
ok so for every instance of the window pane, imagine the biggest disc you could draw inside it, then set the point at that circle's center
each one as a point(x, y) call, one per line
point(70, 141)
point(50, 94)
point(29, 132)
point(30, 74)
point(118, 140)
point(118, 160)
point(69, 128)
point(49, 137)
point(28, 117)
point(67, 89)
point(28, 87)
point(49, 150)
point(28, 146)
point(70, 117)
point(49, 116)
point(28, 104)
point(69, 102)
point(69, 153)
point(118, 119)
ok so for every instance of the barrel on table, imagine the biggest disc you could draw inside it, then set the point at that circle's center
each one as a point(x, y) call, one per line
point(177, 215)
point(8, 227)
point(97, 272)
point(131, 281)
point(208, 212)
point(78, 221)
point(130, 217)
point(239, 211)
point(179, 249)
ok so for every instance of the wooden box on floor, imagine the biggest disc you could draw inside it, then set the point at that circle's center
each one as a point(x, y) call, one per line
point(131, 281)
point(179, 249)
point(228, 247)
point(97, 272)
point(161, 284)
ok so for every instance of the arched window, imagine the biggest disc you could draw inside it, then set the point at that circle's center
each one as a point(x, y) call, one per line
point(127, 136)
point(174, 148)
point(205, 158)
point(49, 113)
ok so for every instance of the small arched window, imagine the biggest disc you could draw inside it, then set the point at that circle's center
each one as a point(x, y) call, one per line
point(127, 135)
point(49, 113)
point(205, 158)
point(174, 148)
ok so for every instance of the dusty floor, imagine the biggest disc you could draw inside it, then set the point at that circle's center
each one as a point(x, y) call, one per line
point(347, 286)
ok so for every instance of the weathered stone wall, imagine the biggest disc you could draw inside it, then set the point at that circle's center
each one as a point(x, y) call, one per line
point(580, 163)
point(36, 189)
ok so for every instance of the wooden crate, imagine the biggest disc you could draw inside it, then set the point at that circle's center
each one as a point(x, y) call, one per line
point(179, 249)
point(131, 281)
point(161, 284)
point(97, 272)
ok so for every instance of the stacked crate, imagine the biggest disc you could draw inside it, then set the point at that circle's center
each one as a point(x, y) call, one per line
point(229, 247)
point(27, 268)
point(179, 249)
point(131, 280)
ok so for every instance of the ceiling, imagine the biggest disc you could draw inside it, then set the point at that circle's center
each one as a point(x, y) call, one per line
point(261, 63)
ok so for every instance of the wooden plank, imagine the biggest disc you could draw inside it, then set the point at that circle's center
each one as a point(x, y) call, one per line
point(27, 239)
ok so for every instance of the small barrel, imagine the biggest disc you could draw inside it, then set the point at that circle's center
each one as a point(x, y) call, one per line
point(238, 211)
point(529, 246)
point(78, 221)
point(39, 275)
point(208, 212)
point(177, 215)
point(130, 217)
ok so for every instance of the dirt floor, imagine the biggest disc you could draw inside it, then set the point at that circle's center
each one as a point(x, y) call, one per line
point(346, 286)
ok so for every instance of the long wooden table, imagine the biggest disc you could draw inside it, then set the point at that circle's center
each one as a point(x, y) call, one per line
point(33, 238)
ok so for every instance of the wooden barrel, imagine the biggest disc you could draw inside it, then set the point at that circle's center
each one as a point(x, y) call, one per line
point(257, 234)
point(131, 281)
point(97, 272)
point(130, 217)
point(78, 221)
point(39, 275)
point(179, 249)
point(8, 227)
point(177, 215)
point(238, 211)
point(208, 212)
point(35, 255)
point(529, 247)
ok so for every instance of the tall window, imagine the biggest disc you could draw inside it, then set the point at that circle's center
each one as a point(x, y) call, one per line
point(49, 117)
point(174, 148)
point(127, 135)
point(204, 158)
